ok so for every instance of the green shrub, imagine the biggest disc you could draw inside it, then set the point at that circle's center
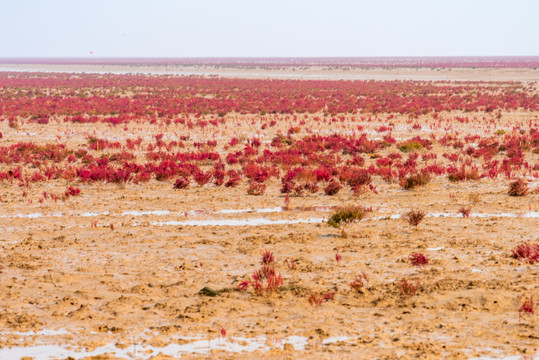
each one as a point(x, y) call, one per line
point(411, 145)
point(346, 215)
point(414, 180)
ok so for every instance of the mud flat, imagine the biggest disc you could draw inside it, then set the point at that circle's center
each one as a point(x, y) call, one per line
point(143, 270)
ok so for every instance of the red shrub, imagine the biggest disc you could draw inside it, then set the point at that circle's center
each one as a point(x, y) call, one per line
point(518, 188)
point(465, 212)
point(266, 274)
point(418, 259)
point(202, 178)
point(72, 191)
point(181, 183)
point(359, 282)
point(332, 188)
point(408, 289)
point(256, 188)
point(527, 307)
point(526, 252)
point(414, 217)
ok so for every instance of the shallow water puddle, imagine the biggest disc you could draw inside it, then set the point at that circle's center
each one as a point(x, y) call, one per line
point(436, 248)
point(240, 211)
point(254, 221)
point(142, 213)
point(197, 345)
point(44, 332)
point(93, 214)
point(196, 212)
point(31, 216)
point(235, 222)
point(529, 214)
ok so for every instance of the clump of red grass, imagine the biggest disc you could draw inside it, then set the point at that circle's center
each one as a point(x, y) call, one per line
point(526, 252)
point(465, 212)
point(267, 257)
point(418, 259)
point(414, 217)
point(291, 263)
point(462, 175)
point(315, 299)
point(264, 280)
point(182, 183)
point(318, 299)
point(527, 307)
point(72, 191)
point(518, 188)
point(256, 188)
point(359, 282)
point(222, 331)
point(332, 188)
point(407, 288)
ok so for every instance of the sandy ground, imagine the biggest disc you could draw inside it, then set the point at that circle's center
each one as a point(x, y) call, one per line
point(311, 72)
point(71, 285)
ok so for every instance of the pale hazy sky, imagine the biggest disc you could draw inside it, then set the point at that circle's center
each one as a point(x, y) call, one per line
point(245, 28)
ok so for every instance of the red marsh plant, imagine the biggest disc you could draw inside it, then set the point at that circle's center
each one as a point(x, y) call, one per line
point(456, 175)
point(318, 299)
point(407, 288)
point(286, 202)
point(311, 187)
point(526, 252)
point(359, 282)
point(267, 257)
point(256, 188)
point(518, 188)
point(527, 307)
point(333, 188)
point(202, 178)
point(288, 187)
point(72, 191)
point(291, 263)
point(418, 259)
point(315, 299)
point(465, 212)
point(222, 332)
point(182, 183)
point(250, 96)
point(414, 217)
point(233, 179)
point(218, 177)
point(264, 280)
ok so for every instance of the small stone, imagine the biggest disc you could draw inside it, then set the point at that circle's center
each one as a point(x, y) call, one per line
point(288, 347)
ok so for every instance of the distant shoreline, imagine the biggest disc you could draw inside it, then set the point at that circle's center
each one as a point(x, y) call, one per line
point(506, 62)
point(289, 72)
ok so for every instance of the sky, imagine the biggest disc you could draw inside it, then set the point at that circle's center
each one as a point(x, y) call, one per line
point(268, 28)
